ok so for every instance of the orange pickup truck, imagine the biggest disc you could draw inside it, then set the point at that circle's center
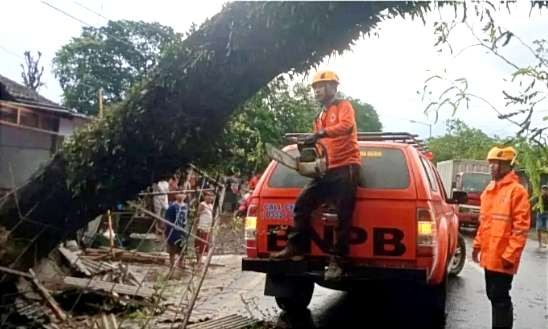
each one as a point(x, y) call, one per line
point(404, 226)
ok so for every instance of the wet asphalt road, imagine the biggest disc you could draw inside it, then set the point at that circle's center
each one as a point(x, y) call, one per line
point(467, 304)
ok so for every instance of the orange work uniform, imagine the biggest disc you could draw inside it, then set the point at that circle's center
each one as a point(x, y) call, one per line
point(505, 218)
point(341, 141)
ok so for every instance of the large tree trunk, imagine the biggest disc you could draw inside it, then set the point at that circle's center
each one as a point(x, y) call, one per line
point(175, 115)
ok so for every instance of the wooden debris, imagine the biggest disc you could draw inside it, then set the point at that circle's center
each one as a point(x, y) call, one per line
point(94, 284)
point(57, 310)
point(41, 289)
point(15, 272)
point(128, 256)
point(32, 310)
point(85, 265)
point(107, 321)
point(233, 321)
point(74, 260)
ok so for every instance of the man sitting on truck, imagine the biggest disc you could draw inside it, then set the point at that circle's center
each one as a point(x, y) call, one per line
point(335, 128)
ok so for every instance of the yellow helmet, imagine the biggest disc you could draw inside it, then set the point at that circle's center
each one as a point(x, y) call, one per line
point(502, 153)
point(325, 76)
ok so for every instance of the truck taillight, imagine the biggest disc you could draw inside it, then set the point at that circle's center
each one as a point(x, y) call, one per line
point(251, 220)
point(426, 232)
point(251, 228)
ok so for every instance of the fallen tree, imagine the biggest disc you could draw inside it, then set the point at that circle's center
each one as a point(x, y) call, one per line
point(176, 114)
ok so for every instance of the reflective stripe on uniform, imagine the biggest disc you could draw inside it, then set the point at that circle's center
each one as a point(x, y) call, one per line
point(504, 217)
point(520, 232)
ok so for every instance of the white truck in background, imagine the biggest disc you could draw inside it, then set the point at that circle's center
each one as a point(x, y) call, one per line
point(470, 176)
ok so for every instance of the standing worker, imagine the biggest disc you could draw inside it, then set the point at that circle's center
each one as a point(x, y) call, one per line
point(334, 128)
point(505, 218)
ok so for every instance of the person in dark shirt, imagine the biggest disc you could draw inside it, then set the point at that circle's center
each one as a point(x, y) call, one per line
point(542, 216)
point(175, 238)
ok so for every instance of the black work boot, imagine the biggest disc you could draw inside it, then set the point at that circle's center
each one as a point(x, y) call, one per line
point(334, 270)
point(290, 252)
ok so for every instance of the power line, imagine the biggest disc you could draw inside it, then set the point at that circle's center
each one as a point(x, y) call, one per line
point(11, 52)
point(65, 13)
point(91, 10)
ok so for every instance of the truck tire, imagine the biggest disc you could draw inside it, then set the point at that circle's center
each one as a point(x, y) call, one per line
point(456, 263)
point(300, 297)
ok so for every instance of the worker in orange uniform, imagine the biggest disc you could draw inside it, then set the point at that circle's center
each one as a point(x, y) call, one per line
point(334, 128)
point(504, 224)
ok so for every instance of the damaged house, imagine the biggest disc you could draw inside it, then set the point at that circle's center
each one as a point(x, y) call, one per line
point(31, 129)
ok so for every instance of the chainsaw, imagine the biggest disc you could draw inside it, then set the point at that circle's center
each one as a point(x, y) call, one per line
point(311, 161)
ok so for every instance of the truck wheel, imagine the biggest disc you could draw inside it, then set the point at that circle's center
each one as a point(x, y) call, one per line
point(459, 258)
point(300, 297)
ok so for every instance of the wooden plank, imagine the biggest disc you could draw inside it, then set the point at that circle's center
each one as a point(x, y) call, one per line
point(57, 310)
point(94, 284)
point(15, 272)
point(107, 321)
point(128, 256)
point(74, 260)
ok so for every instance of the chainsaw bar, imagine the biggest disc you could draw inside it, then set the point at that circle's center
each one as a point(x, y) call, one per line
point(280, 156)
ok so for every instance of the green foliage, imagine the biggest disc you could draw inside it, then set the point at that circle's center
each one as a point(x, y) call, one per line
point(461, 142)
point(113, 57)
point(532, 158)
point(367, 118)
point(177, 113)
point(524, 99)
point(274, 111)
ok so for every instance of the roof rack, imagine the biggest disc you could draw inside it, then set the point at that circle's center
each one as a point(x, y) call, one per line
point(396, 137)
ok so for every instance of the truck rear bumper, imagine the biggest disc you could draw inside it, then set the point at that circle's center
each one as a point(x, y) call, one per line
point(315, 270)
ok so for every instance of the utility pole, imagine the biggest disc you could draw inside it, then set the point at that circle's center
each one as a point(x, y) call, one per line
point(100, 102)
point(425, 124)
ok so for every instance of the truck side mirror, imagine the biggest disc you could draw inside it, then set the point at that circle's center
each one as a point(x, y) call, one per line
point(458, 197)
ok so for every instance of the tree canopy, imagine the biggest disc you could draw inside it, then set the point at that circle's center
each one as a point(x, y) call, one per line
point(112, 58)
point(367, 119)
point(461, 142)
point(525, 93)
point(275, 110)
point(175, 114)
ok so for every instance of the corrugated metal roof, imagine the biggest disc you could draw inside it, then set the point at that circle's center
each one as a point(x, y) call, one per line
point(16, 92)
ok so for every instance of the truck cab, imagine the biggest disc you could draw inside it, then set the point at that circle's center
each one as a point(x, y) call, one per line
point(473, 183)
point(404, 226)
point(469, 176)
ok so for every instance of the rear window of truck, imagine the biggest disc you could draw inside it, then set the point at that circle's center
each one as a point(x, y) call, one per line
point(382, 168)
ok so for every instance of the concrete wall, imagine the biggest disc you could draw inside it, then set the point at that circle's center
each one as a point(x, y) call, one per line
point(24, 151)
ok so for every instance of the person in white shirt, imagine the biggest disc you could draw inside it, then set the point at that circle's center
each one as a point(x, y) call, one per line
point(160, 202)
point(203, 226)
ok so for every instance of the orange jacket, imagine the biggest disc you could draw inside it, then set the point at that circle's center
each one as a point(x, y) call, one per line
point(339, 124)
point(505, 217)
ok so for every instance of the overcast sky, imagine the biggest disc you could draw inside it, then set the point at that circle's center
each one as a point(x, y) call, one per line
point(385, 70)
